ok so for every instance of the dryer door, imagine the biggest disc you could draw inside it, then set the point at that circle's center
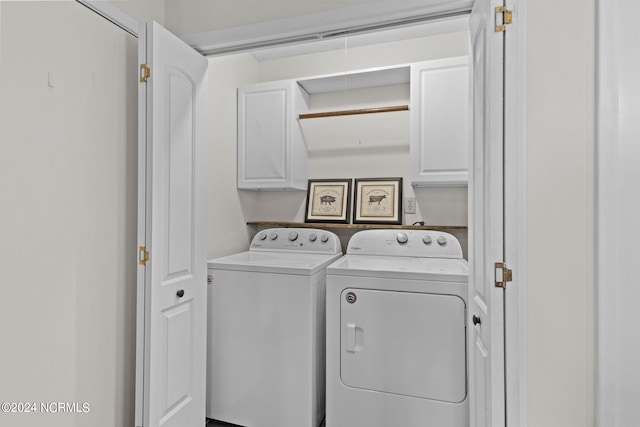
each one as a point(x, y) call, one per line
point(404, 343)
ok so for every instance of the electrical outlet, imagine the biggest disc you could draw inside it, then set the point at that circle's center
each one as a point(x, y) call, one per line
point(410, 205)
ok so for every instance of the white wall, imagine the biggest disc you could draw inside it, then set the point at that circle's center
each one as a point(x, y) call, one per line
point(560, 213)
point(618, 211)
point(68, 213)
point(229, 208)
point(436, 206)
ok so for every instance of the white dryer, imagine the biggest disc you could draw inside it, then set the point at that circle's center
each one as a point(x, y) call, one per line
point(266, 319)
point(396, 331)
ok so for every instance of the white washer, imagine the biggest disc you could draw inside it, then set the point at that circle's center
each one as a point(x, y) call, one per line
point(265, 361)
point(396, 331)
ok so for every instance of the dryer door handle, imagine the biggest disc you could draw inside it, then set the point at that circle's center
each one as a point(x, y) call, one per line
point(354, 338)
point(350, 345)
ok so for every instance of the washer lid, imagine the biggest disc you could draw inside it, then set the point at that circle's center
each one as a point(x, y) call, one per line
point(274, 262)
point(441, 269)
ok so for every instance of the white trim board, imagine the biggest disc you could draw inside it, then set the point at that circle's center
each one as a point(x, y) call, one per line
point(364, 18)
point(327, 26)
point(606, 201)
point(515, 215)
point(617, 209)
point(419, 30)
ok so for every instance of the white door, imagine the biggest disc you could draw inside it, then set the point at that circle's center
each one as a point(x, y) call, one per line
point(486, 225)
point(171, 341)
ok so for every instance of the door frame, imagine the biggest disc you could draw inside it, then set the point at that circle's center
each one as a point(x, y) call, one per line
point(614, 247)
point(515, 176)
point(609, 200)
point(515, 217)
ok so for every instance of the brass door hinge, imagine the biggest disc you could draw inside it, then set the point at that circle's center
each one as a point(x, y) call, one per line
point(143, 255)
point(504, 17)
point(503, 275)
point(145, 73)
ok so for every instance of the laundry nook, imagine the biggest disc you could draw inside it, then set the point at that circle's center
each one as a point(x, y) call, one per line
point(345, 213)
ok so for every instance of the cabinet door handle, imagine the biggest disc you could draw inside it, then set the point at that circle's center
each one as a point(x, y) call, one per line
point(180, 293)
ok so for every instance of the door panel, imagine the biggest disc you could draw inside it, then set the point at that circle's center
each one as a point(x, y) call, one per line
point(181, 148)
point(486, 236)
point(178, 326)
point(172, 357)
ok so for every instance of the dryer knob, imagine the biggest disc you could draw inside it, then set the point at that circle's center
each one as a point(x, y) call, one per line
point(427, 239)
point(262, 236)
point(293, 236)
point(442, 240)
point(402, 238)
point(324, 238)
point(273, 236)
point(313, 237)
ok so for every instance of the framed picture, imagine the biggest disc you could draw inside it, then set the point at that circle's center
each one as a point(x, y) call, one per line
point(328, 200)
point(378, 201)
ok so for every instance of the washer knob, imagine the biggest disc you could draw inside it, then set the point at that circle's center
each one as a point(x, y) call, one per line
point(262, 236)
point(293, 236)
point(442, 240)
point(427, 239)
point(313, 237)
point(273, 236)
point(402, 238)
point(324, 238)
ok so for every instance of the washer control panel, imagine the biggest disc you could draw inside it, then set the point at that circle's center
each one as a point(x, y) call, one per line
point(309, 240)
point(409, 243)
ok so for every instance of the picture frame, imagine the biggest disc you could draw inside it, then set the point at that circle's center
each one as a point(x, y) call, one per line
point(377, 201)
point(328, 200)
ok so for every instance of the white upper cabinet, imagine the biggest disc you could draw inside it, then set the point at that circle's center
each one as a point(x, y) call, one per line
point(272, 154)
point(439, 135)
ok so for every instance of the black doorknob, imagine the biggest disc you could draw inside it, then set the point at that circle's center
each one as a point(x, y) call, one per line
point(476, 320)
point(180, 293)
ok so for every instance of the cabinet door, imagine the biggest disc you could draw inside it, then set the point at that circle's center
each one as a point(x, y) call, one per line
point(271, 150)
point(439, 122)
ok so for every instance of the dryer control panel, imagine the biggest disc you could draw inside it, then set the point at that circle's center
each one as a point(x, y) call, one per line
point(302, 240)
point(408, 243)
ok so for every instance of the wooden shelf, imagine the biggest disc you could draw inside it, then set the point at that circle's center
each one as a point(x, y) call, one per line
point(354, 226)
point(375, 110)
